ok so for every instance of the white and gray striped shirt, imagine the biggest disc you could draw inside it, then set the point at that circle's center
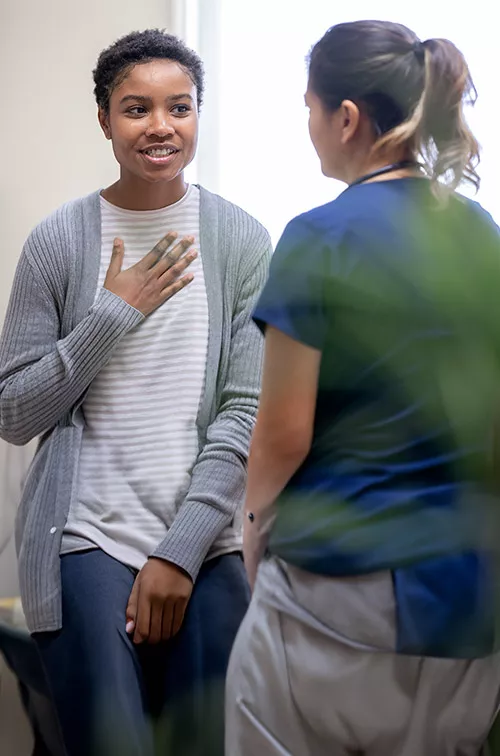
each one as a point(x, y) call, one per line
point(140, 440)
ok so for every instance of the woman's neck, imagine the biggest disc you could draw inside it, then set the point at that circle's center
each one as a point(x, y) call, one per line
point(131, 194)
point(372, 165)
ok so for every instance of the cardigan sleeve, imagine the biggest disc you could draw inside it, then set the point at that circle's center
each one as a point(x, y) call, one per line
point(42, 376)
point(218, 480)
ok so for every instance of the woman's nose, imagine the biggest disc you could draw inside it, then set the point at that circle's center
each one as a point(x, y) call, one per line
point(160, 125)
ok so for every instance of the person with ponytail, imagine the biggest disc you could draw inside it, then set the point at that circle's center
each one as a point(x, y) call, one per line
point(372, 517)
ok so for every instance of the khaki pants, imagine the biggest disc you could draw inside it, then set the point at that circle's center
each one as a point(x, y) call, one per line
point(309, 676)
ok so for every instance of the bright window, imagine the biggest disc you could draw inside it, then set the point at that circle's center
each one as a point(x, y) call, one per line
point(255, 149)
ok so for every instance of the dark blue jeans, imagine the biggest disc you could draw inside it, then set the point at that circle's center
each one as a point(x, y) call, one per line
point(117, 699)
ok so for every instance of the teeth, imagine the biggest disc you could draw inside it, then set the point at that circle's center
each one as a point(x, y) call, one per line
point(159, 153)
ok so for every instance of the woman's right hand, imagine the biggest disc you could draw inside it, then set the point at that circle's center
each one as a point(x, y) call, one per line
point(154, 279)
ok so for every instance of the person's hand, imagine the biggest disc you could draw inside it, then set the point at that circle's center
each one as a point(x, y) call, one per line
point(158, 601)
point(154, 279)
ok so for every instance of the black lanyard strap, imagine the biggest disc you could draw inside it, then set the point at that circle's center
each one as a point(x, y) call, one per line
point(386, 169)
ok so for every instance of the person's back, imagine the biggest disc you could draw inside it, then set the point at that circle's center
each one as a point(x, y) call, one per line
point(371, 475)
point(397, 471)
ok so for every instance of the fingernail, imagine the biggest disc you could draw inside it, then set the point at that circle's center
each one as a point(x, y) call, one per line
point(129, 627)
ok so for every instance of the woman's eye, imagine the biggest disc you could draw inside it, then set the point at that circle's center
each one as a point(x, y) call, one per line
point(182, 109)
point(137, 110)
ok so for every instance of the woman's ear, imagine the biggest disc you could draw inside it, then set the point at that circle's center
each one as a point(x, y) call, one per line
point(103, 118)
point(349, 120)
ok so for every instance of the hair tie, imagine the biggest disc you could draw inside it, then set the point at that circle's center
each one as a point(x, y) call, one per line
point(418, 49)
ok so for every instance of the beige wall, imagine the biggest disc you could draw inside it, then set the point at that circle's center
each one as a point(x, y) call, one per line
point(52, 148)
point(51, 151)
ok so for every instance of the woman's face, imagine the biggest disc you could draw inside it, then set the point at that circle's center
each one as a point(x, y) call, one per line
point(153, 121)
point(339, 137)
point(325, 134)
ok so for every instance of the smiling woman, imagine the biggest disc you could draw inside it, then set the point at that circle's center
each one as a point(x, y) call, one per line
point(150, 113)
point(152, 120)
point(143, 378)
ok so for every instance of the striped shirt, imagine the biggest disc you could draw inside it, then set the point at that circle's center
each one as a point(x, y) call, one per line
point(55, 341)
point(140, 441)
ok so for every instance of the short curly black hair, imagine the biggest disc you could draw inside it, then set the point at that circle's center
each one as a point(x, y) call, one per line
point(115, 62)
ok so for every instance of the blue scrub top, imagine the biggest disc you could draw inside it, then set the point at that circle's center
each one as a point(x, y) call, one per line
point(400, 291)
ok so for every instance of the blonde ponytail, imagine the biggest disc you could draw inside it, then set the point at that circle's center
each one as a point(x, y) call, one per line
point(436, 131)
